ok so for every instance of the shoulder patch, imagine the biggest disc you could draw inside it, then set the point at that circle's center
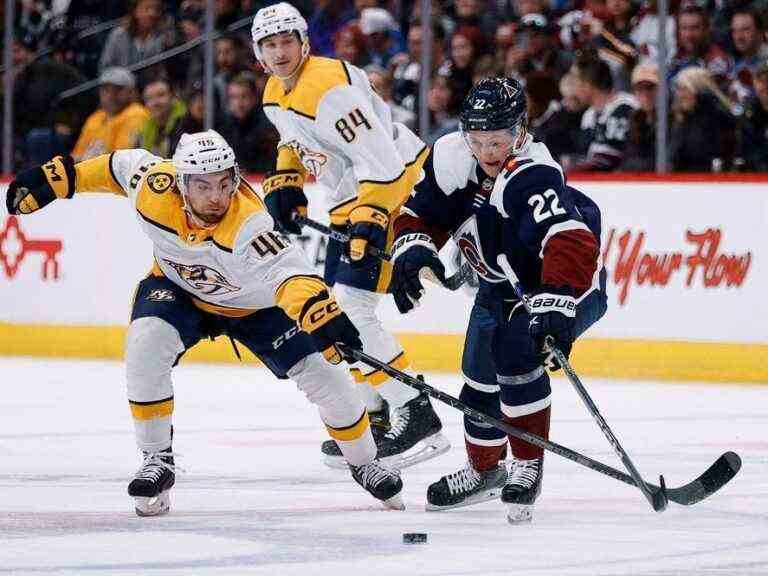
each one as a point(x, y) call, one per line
point(160, 182)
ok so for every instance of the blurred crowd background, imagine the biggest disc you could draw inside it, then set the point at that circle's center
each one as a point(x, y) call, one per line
point(588, 67)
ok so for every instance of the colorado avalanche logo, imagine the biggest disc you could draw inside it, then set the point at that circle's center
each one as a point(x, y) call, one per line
point(202, 278)
point(468, 241)
point(311, 160)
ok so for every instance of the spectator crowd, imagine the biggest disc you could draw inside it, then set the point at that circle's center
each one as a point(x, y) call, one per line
point(589, 68)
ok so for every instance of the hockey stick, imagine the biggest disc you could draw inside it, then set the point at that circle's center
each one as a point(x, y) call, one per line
point(657, 497)
point(453, 282)
point(714, 478)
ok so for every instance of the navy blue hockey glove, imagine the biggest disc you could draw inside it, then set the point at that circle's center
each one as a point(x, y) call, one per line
point(553, 313)
point(413, 255)
point(284, 197)
point(368, 227)
point(33, 189)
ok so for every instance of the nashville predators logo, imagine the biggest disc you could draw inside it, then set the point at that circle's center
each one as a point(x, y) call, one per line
point(159, 182)
point(161, 295)
point(202, 278)
point(311, 160)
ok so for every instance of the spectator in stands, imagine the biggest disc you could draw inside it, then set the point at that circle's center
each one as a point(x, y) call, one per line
point(349, 45)
point(193, 120)
point(645, 32)
point(525, 7)
point(381, 80)
point(165, 115)
point(537, 49)
point(381, 35)
point(44, 126)
point(246, 127)
point(703, 136)
point(613, 41)
point(478, 14)
point(640, 154)
point(548, 121)
point(750, 47)
point(407, 67)
point(327, 19)
point(116, 124)
point(230, 61)
point(504, 39)
point(227, 13)
point(695, 48)
point(81, 16)
point(443, 107)
point(468, 49)
point(438, 15)
point(146, 33)
point(605, 124)
point(754, 128)
point(33, 19)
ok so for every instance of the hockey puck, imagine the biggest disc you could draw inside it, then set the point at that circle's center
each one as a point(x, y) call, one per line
point(414, 538)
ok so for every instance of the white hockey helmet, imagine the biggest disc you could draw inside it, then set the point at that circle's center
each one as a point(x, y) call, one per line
point(276, 19)
point(204, 153)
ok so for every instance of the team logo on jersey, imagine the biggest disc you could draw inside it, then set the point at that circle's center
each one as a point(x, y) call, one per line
point(311, 160)
point(161, 295)
point(159, 182)
point(203, 278)
point(468, 241)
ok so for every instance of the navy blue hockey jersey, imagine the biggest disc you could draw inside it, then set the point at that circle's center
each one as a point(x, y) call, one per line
point(549, 231)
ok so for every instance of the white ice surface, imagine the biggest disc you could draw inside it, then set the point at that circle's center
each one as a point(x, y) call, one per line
point(256, 498)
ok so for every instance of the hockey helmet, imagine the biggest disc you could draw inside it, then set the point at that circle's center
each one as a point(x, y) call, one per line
point(204, 153)
point(276, 19)
point(496, 103)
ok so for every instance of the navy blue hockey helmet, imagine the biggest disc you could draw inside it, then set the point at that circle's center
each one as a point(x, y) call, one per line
point(495, 103)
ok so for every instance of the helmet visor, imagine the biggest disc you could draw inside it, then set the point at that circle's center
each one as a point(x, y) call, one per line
point(495, 144)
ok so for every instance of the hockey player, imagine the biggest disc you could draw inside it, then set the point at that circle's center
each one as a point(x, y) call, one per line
point(496, 191)
point(334, 127)
point(219, 269)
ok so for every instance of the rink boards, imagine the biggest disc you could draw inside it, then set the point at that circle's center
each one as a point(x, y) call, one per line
point(685, 257)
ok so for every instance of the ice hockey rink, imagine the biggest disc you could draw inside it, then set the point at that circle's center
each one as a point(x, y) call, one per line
point(256, 498)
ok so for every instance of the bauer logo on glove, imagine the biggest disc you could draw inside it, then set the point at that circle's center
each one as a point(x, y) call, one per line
point(543, 303)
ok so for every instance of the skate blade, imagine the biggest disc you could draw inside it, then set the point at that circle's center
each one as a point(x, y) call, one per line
point(519, 513)
point(155, 506)
point(395, 502)
point(492, 494)
point(336, 462)
point(426, 449)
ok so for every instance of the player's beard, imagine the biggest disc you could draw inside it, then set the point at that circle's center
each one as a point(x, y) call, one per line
point(209, 219)
point(205, 220)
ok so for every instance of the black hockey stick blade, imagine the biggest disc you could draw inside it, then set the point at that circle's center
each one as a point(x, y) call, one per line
point(453, 282)
point(715, 477)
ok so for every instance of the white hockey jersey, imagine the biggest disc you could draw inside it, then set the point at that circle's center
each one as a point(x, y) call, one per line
point(238, 267)
point(334, 126)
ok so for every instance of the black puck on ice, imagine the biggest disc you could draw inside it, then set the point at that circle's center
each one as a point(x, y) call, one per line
point(414, 538)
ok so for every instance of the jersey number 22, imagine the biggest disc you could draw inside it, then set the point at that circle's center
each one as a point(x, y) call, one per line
point(545, 205)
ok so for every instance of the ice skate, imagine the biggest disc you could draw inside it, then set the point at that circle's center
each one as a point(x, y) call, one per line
point(332, 456)
point(522, 488)
point(465, 487)
point(414, 436)
point(381, 482)
point(152, 484)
